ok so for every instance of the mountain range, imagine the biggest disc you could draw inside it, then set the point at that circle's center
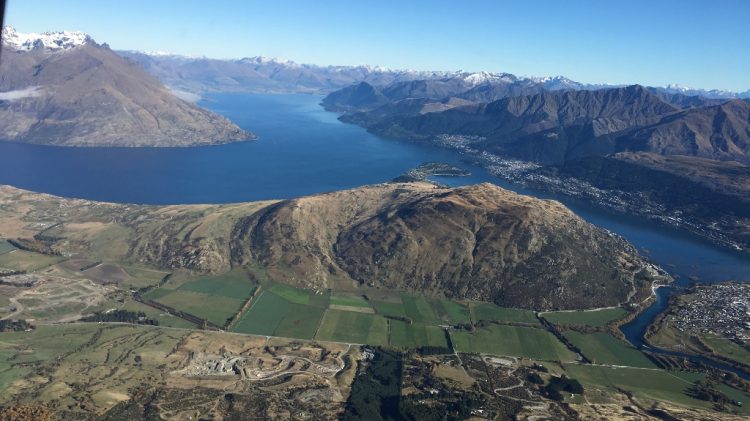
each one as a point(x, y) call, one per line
point(58, 88)
point(261, 74)
point(273, 75)
point(664, 155)
point(554, 126)
point(62, 88)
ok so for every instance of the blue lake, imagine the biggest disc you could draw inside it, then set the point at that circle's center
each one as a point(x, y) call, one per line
point(302, 149)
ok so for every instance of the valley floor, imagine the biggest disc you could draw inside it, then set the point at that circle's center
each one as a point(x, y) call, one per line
point(299, 353)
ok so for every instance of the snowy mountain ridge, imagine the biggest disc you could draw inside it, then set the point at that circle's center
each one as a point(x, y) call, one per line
point(55, 41)
point(66, 40)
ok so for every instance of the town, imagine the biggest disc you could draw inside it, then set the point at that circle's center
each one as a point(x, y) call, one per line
point(722, 309)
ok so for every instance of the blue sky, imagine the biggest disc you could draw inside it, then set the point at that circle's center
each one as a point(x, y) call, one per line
point(703, 44)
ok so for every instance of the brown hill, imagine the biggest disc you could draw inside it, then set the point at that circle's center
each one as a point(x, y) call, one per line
point(478, 242)
point(558, 126)
point(716, 132)
point(548, 127)
point(90, 96)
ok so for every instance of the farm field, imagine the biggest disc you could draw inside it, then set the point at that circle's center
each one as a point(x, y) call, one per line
point(26, 260)
point(727, 348)
point(423, 310)
point(404, 335)
point(491, 312)
point(602, 348)
point(233, 284)
point(389, 308)
point(299, 295)
point(213, 298)
point(164, 319)
point(349, 301)
point(345, 326)
point(419, 310)
point(646, 384)
point(141, 277)
point(450, 311)
point(214, 308)
point(513, 341)
point(274, 315)
point(598, 318)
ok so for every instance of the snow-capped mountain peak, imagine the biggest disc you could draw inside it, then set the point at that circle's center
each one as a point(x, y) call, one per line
point(262, 60)
point(61, 40)
point(478, 78)
point(708, 93)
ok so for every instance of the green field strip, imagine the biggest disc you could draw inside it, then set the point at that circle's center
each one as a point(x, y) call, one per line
point(348, 301)
point(450, 312)
point(389, 309)
point(264, 315)
point(653, 385)
point(350, 327)
point(233, 284)
point(404, 335)
point(597, 318)
point(602, 348)
point(491, 312)
point(514, 341)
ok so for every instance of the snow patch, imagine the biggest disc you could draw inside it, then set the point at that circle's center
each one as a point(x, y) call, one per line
point(29, 92)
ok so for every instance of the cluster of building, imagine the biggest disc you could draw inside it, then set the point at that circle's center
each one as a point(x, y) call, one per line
point(721, 309)
point(634, 202)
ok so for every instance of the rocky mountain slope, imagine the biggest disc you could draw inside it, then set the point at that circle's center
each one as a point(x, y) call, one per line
point(552, 127)
point(65, 89)
point(461, 87)
point(718, 132)
point(477, 242)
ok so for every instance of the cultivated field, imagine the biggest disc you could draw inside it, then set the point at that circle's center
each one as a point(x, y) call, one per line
point(404, 335)
point(727, 348)
point(646, 384)
point(272, 314)
point(353, 327)
point(214, 298)
point(491, 312)
point(598, 318)
point(420, 309)
point(602, 348)
point(513, 341)
point(27, 261)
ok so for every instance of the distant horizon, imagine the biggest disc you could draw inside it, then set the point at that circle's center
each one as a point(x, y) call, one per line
point(688, 44)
